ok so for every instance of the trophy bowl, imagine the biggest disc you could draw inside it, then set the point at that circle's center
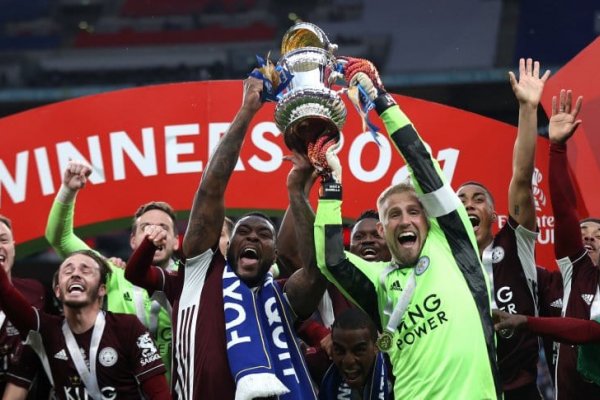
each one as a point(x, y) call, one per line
point(308, 108)
point(304, 34)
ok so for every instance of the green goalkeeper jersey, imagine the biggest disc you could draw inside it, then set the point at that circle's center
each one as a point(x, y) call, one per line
point(121, 295)
point(443, 348)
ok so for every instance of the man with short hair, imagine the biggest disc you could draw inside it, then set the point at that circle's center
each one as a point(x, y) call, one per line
point(508, 256)
point(358, 370)
point(122, 296)
point(581, 276)
point(88, 353)
point(233, 325)
point(365, 240)
point(432, 300)
point(157, 213)
point(590, 234)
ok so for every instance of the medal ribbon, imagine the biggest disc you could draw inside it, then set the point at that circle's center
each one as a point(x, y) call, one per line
point(88, 376)
point(403, 302)
point(2, 318)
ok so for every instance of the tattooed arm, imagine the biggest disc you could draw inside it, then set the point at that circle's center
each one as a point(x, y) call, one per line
point(289, 258)
point(306, 286)
point(208, 209)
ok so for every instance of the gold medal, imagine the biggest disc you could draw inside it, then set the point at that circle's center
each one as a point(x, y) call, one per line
point(384, 341)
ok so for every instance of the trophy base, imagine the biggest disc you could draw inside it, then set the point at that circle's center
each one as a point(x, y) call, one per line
point(307, 130)
point(304, 115)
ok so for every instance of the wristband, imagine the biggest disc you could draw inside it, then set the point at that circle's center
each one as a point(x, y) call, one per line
point(66, 195)
point(330, 190)
point(383, 101)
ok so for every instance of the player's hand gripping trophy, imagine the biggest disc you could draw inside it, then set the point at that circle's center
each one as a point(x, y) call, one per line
point(364, 86)
point(309, 111)
point(301, 84)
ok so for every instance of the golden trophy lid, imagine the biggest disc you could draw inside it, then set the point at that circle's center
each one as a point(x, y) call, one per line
point(304, 34)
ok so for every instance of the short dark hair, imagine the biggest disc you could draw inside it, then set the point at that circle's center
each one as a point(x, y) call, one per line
point(99, 259)
point(228, 222)
point(402, 187)
point(485, 189)
point(6, 221)
point(353, 319)
point(154, 205)
point(367, 214)
point(583, 221)
point(259, 215)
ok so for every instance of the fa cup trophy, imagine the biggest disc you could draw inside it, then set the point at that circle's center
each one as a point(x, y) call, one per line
point(307, 108)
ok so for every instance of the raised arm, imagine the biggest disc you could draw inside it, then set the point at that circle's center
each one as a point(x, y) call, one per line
point(563, 124)
point(59, 228)
point(528, 91)
point(354, 277)
point(306, 286)
point(288, 253)
point(139, 269)
point(17, 309)
point(446, 214)
point(437, 196)
point(208, 209)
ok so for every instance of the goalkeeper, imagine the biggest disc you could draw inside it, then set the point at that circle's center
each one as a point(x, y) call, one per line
point(431, 302)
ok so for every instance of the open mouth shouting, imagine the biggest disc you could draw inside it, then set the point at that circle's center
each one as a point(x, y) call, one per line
point(248, 257)
point(407, 239)
point(75, 287)
point(475, 221)
point(369, 253)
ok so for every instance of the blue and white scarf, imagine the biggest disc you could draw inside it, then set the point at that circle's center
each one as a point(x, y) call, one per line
point(262, 349)
point(333, 386)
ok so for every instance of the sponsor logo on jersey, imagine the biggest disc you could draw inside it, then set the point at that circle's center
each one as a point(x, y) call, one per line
point(127, 296)
point(149, 351)
point(61, 355)
point(396, 286)
point(587, 298)
point(504, 296)
point(422, 265)
point(108, 357)
point(79, 392)
point(420, 320)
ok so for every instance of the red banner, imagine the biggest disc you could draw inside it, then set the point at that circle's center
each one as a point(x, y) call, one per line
point(152, 143)
point(581, 75)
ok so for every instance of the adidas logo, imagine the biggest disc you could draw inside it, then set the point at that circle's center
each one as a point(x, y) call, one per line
point(557, 304)
point(587, 298)
point(127, 296)
point(396, 286)
point(61, 355)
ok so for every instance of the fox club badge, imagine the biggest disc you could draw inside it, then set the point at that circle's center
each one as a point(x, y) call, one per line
point(422, 265)
point(384, 341)
point(108, 357)
point(497, 254)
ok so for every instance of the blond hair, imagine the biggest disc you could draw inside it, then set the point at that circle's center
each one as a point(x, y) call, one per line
point(398, 188)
